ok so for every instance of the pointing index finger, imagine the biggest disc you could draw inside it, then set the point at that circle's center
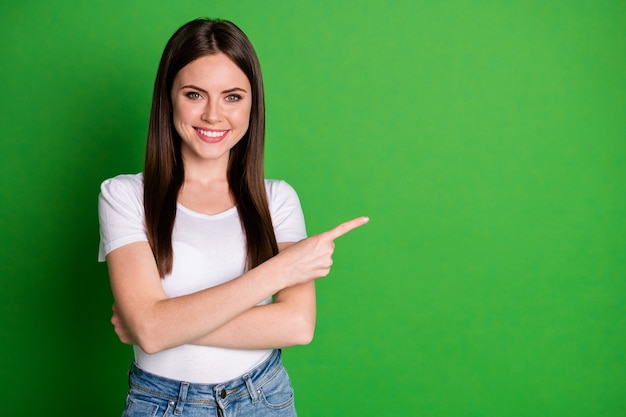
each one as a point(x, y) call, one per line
point(345, 227)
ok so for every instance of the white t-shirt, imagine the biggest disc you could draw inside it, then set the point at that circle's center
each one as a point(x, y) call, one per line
point(208, 250)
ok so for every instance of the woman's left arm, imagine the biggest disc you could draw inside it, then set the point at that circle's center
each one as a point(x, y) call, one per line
point(288, 321)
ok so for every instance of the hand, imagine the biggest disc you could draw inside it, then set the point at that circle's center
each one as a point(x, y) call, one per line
point(311, 258)
point(120, 327)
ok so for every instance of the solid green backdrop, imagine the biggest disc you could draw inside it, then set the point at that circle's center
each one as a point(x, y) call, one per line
point(486, 140)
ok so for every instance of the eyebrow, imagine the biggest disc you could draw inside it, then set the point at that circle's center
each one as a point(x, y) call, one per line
point(230, 90)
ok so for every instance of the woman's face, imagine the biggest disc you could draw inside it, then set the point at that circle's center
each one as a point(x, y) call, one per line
point(211, 99)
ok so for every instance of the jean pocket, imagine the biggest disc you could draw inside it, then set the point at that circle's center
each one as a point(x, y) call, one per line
point(136, 407)
point(277, 393)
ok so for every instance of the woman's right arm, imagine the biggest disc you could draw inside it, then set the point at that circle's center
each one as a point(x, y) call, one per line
point(157, 322)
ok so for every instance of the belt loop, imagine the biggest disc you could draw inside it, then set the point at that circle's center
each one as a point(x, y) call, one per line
point(131, 368)
point(182, 397)
point(251, 390)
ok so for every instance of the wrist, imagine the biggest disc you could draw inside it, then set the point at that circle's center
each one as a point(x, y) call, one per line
point(277, 272)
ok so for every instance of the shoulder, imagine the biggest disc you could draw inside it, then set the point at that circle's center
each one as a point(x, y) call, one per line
point(279, 191)
point(277, 187)
point(125, 183)
point(120, 210)
point(286, 211)
point(126, 189)
point(281, 196)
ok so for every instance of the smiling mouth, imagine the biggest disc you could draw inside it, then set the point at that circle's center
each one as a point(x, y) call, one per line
point(212, 133)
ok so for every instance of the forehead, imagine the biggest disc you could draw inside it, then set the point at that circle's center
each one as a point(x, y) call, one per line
point(212, 71)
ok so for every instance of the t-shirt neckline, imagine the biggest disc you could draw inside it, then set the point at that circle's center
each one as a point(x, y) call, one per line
point(216, 216)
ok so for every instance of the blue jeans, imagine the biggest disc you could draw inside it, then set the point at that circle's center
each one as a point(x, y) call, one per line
point(263, 391)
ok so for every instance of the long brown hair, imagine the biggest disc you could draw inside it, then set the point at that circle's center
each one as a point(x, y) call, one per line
point(164, 171)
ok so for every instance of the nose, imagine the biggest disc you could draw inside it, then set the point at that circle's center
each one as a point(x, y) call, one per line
point(212, 113)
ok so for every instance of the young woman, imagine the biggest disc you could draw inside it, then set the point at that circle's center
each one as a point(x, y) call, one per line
point(209, 263)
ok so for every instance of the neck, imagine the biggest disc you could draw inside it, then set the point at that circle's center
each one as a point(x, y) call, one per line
point(206, 172)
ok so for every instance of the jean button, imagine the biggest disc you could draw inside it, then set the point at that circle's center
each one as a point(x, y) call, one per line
point(223, 394)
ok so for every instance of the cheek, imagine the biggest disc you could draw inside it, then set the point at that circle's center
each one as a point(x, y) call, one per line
point(177, 122)
point(182, 117)
point(182, 114)
point(243, 117)
point(176, 113)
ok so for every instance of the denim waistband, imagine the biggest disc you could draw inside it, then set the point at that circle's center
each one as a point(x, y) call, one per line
point(211, 394)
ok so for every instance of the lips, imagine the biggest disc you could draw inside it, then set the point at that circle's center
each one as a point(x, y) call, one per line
point(211, 136)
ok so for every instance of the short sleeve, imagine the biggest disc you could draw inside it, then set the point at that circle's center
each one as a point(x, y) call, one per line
point(286, 212)
point(121, 214)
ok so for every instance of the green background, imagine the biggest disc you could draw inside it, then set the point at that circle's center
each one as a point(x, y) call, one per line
point(485, 139)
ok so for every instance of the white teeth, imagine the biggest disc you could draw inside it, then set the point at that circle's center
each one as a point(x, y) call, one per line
point(211, 134)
